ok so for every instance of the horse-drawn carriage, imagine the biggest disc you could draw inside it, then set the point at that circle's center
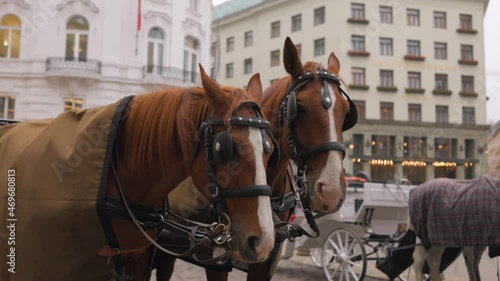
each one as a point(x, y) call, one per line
point(366, 228)
point(372, 226)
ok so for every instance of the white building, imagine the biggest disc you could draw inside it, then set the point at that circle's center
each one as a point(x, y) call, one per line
point(71, 54)
point(415, 69)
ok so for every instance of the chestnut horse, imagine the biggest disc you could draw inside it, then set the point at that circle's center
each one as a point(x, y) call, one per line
point(155, 150)
point(308, 113)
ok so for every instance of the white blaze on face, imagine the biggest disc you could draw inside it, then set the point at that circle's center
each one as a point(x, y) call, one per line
point(333, 167)
point(264, 208)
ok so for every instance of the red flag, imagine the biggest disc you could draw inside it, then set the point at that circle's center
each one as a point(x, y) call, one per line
point(139, 22)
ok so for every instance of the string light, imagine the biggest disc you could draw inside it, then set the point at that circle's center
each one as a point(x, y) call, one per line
point(381, 162)
point(444, 164)
point(414, 163)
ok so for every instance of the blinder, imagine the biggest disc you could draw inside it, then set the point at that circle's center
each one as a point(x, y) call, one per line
point(351, 117)
point(223, 147)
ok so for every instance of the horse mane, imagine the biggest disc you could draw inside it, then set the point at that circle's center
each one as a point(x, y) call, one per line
point(160, 123)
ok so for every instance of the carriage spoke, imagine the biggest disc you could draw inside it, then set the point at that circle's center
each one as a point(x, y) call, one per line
point(331, 253)
point(346, 243)
point(335, 246)
point(354, 264)
point(352, 273)
point(339, 239)
point(354, 255)
point(336, 270)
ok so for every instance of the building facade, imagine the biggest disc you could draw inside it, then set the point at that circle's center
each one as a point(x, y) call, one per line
point(494, 150)
point(59, 55)
point(414, 68)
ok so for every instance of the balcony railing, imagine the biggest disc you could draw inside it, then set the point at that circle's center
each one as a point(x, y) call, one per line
point(70, 66)
point(166, 74)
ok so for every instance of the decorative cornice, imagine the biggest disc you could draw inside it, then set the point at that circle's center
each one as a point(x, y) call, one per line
point(189, 22)
point(154, 14)
point(89, 3)
point(21, 3)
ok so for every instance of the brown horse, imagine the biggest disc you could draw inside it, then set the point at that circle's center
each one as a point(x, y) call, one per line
point(308, 114)
point(154, 151)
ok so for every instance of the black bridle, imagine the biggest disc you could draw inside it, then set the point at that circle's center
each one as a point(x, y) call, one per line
point(205, 132)
point(288, 112)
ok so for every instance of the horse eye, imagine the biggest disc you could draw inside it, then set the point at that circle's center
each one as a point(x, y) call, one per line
point(300, 108)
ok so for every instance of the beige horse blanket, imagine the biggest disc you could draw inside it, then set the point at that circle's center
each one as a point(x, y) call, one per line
point(51, 173)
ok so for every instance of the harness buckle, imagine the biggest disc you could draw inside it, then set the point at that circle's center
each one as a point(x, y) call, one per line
point(216, 193)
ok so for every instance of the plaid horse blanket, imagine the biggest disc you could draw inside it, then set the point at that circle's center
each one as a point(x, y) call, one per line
point(52, 174)
point(449, 212)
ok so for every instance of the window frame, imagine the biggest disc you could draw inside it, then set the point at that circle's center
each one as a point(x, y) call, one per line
point(442, 114)
point(439, 19)
point(14, 34)
point(441, 81)
point(296, 23)
point(440, 50)
point(414, 80)
point(319, 16)
point(8, 111)
point(466, 52)
point(386, 14)
point(358, 43)
point(247, 66)
point(248, 39)
point(386, 46)
point(468, 115)
point(386, 78)
point(412, 17)
point(358, 76)
point(229, 70)
point(389, 106)
point(275, 29)
point(414, 112)
point(358, 11)
point(413, 47)
point(319, 47)
point(275, 58)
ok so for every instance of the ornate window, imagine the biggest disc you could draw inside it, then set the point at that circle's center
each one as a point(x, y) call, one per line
point(156, 43)
point(7, 107)
point(10, 36)
point(75, 104)
point(77, 34)
point(191, 52)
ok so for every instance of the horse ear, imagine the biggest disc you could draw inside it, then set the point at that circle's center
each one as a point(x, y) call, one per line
point(213, 91)
point(291, 59)
point(333, 63)
point(255, 86)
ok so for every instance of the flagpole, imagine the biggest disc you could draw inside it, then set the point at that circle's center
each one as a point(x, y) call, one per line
point(138, 28)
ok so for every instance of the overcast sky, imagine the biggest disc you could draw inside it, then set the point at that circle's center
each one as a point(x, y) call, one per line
point(492, 48)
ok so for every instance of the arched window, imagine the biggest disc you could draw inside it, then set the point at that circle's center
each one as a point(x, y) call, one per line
point(77, 34)
point(156, 42)
point(191, 49)
point(10, 36)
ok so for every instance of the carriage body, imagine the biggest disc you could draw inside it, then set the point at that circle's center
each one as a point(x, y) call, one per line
point(366, 228)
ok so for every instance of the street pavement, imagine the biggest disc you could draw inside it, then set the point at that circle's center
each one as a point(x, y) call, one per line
point(300, 268)
point(296, 268)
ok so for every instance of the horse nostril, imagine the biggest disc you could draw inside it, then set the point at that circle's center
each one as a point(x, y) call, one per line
point(252, 241)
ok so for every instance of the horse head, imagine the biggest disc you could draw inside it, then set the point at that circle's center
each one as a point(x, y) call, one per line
point(237, 147)
point(317, 113)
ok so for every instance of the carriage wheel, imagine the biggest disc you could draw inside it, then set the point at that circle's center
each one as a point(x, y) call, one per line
point(344, 256)
point(316, 258)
